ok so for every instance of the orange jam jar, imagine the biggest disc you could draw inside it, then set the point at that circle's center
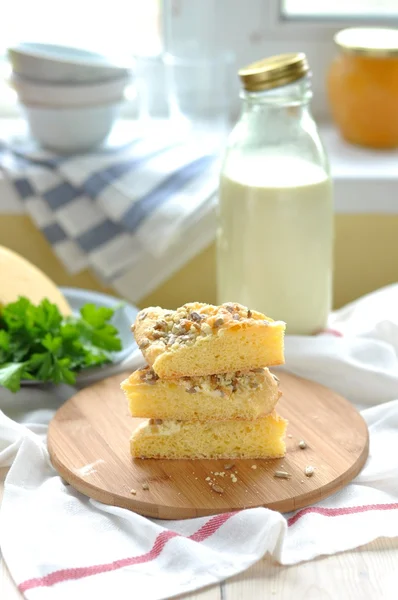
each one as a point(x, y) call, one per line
point(363, 86)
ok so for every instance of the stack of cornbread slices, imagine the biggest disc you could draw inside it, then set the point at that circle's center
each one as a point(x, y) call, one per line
point(207, 392)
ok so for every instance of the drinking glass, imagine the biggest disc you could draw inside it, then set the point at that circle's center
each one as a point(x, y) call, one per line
point(199, 93)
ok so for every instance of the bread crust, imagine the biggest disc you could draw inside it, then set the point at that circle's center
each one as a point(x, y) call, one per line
point(203, 339)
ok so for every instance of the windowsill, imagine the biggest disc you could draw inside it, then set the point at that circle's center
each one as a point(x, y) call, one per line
point(366, 181)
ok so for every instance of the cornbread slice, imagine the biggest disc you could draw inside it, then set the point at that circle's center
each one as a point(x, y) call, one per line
point(201, 339)
point(213, 397)
point(261, 438)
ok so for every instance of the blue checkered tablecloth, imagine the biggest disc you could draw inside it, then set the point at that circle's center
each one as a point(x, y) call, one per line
point(133, 211)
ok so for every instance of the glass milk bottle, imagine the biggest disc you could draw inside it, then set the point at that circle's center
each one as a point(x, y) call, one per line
point(275, 228)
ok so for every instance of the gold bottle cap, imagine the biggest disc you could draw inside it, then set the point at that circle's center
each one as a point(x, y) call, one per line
point(274, 71)
point(368, 41)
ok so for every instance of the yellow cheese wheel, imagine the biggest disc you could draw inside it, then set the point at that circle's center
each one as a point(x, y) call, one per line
point(18, 277)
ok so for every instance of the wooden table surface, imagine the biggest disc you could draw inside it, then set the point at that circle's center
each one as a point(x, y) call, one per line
point(369, 572)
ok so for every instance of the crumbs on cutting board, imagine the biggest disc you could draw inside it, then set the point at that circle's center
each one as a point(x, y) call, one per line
point(212, 479)
point(230, 473)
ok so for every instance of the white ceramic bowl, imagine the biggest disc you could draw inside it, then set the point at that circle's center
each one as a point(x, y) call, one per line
point(70, 130)
point(51, 63)
point(45, 94)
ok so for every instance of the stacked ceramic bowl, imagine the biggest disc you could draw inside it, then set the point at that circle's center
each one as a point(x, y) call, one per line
point(70, 97)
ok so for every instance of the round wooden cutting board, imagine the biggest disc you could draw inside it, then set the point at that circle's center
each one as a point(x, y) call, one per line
point(88, 441)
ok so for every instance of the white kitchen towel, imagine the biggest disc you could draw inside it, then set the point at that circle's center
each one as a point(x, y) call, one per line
point(133, 211)
point(59, 544)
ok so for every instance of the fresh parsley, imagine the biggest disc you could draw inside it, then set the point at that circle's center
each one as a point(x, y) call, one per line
point(38, 343)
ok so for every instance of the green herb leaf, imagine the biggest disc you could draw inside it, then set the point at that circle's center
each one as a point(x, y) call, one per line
point(11, 375)
point(96, 328)
point(4, 346)
point(4, 340)
point(18, 315)
point(53, 344)
point(61, 372)
point(96, 316)
point(47, 316)
point(38, 343)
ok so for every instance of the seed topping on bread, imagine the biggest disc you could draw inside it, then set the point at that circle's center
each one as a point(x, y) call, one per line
point(222, 384)
point(192, 321)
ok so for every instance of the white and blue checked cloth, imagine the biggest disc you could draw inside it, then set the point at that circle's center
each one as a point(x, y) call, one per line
point(133, 212)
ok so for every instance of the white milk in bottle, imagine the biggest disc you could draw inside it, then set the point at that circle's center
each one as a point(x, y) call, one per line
point(275, 235)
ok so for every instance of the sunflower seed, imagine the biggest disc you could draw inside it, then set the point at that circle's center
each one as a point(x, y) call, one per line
point(196, 317)
point(217, 488)
point(158, 334)
point(282, 474)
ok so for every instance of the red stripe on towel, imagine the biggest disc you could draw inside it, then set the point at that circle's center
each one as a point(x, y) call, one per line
point(331, 332)
point(339, 512)
point(208, 529)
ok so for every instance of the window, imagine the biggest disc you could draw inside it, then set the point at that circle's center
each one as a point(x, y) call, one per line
point(310, 25)
point(128, 26)
point(338, 9)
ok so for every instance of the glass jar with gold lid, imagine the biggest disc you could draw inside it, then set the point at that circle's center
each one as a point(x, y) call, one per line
point(363, 86)
point(275, 230)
